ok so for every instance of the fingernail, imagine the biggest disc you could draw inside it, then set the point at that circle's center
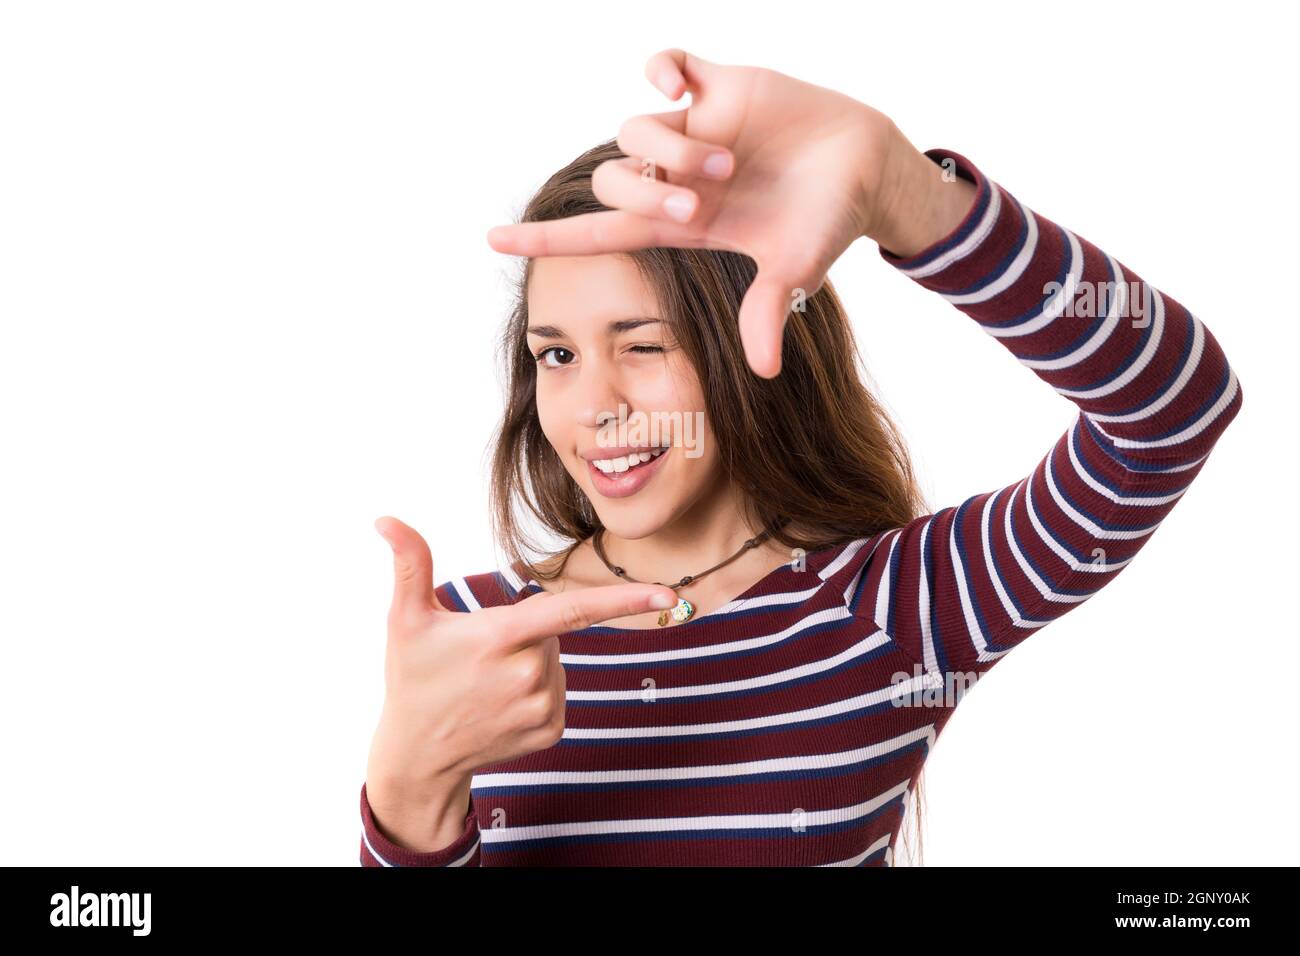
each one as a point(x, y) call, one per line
point(717, 164)
point(382, 534)
point(679, 206)
point(662, 601)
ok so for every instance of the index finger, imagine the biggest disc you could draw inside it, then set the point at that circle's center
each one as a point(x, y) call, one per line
point(590, 234)
point(545, 615)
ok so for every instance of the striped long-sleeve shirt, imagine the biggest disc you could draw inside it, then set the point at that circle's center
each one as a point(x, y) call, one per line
point(788, 726)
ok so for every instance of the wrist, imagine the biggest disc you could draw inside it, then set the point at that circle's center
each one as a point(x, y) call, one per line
point(411, 779)
point(420, 820)
point(922, 202)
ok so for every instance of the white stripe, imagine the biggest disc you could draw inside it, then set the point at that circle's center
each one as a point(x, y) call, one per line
point(1008, 607)
point(706, 772)
point(462, 860)
point(1087, 524)
point(1170, 469)
point(845, 556)
point(864, 646)
point(967, 607)
point(1191, 431)
point(1149, 350)
point(1096, 567)
point(923, 604)
point(901, 691)
point(469, 854)
point(883, 842)
point(370, 847)
point(779, 599)
point(1013, 272)
point(1099, 336)
point(745, 821)
point(1102, 489)
point(863, 568)
point(461, 587)
point(1175, 389)
point(1043, 589)
point(1054, 306)
point(883, 587)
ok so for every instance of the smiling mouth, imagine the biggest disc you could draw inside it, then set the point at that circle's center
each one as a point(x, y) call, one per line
point(638, 470)
point(613, 467)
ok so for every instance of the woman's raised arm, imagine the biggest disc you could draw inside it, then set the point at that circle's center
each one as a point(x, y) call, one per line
point(959, 588)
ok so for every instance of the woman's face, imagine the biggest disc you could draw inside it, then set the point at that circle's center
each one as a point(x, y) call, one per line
point(593, 325)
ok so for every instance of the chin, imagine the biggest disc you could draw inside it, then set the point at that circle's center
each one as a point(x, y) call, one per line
point(632, 521)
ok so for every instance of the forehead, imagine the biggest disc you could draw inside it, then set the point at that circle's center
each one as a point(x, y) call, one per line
point(580, 290)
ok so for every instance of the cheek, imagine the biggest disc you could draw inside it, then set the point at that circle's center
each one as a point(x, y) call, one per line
point(674, 388)
point(682, 395)
point(550, 416)
point(701, 457)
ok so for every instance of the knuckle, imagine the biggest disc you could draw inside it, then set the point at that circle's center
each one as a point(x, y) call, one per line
point(403, 568)
point(572, 617)
point(628, 132)
point(490, 631)
point(402, 619)
point(537, 712)
point(491, 626)
point(555, 729)
point(529, 672)
point(600, 186)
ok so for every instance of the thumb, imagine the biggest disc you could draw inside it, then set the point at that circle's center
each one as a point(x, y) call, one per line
point(762, 317)
point(412, 567)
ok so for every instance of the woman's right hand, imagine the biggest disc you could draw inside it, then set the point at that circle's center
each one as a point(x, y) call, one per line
point(464, 690)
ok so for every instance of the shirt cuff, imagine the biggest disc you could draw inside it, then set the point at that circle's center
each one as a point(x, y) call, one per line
point(378, 850)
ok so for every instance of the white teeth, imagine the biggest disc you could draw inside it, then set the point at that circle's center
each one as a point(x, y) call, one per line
point(615, 465)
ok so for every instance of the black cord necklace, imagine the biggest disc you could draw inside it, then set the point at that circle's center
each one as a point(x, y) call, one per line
point(684, 609)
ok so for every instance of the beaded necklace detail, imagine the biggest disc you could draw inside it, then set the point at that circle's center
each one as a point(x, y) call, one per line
point(684, 609)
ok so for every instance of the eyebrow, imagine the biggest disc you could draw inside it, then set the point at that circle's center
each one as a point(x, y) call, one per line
point(615, 327)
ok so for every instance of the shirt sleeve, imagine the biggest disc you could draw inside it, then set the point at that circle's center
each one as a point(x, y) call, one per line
point(378, 850)
point(959, 588)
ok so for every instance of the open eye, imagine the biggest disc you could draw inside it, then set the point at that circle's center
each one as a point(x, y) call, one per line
point(541, 356)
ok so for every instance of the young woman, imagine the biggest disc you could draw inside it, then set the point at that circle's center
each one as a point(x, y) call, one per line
point(685, 407)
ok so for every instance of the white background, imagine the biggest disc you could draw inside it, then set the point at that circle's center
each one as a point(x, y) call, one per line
point(248, 307)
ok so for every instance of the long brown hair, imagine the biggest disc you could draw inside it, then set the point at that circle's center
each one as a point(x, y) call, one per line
point(816, 456)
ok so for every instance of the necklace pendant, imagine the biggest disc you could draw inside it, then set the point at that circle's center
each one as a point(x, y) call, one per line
point(680, 613)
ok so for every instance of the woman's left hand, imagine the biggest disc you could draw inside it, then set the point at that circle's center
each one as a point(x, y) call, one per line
point(804, 171)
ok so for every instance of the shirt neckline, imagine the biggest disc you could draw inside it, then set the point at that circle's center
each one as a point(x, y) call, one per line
point(731, 607)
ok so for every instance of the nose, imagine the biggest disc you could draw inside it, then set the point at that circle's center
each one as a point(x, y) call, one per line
point(604, 418)
point(601, 400)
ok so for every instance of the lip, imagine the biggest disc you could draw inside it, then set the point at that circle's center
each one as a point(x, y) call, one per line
point(605, 453)
point(627, 483)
